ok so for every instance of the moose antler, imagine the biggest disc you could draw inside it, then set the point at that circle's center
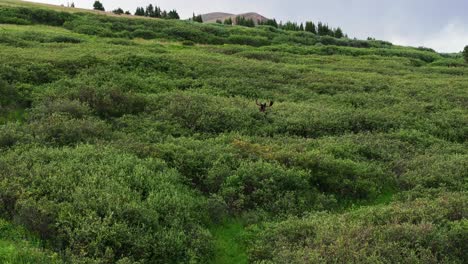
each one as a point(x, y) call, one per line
point(263, 106)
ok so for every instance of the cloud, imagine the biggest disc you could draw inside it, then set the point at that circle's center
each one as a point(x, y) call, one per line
point(453, 37)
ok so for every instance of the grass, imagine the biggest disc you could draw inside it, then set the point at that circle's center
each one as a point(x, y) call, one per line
point(17, 246)
point(13, 116)
point(229, 248)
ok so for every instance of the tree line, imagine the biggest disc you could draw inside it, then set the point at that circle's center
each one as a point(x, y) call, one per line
point(148, 11)
point(321, 29)
point(155, 11)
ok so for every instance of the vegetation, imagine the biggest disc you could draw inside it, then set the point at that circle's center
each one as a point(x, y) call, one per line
point(130, 140)
point(465, 54)
point(98, 6)
point(156, 12)
point(198, 18)
point(246, 22)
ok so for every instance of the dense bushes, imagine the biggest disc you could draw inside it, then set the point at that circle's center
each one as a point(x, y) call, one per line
point(115, 150)
point(20, 15)
point(109, 102)
point(8, 94)
point(101, 204)
point(268, 187)
point(248, 40)
point(422, 231)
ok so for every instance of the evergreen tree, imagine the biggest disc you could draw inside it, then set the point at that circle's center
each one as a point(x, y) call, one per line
point(465, 54)
point(320, 29)
point(164, 14)
point(242, 21)
point(140, 11)
point(250, 23)
point(228, 21)
point(218, 21)
point(174, 15)
point(324, 30)
point(72, 5)
point(150, 11)
point(118, 11)
point(98, 6)
point(292, 26)
point(338, 33)
point(272, 22)
point(128, 13)
point(197, 18)
point(310, 27)
point(301, 27)
point(157, 12)
point(268, 22)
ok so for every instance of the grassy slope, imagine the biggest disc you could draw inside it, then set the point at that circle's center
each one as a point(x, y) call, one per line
point(365, 114)
point(228, 240)
point(17, 246)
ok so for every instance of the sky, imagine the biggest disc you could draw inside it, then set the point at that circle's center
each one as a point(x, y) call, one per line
point(438, 24)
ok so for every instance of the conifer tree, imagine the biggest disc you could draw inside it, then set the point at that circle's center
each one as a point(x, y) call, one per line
point(338, 33)
point(140, 11)
point(150, 11)
point(72, 5)
point(98, 6)
point(228, 21)
point(157, 12)
point(465, 54)
point(197, 18)
point(310, 27)
point(118, 11)
point(174, 15)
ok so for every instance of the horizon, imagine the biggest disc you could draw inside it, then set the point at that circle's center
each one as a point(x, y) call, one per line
point(440, 26)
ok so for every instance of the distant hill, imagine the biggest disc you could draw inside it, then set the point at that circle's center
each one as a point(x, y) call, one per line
point(212, 17)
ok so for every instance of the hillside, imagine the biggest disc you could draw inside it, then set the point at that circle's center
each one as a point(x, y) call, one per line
point(128, 140)
point(213, 17)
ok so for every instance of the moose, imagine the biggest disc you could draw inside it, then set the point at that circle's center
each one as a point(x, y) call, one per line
point(263, 106)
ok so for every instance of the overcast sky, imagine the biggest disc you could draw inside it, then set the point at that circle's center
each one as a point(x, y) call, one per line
point(438, 24)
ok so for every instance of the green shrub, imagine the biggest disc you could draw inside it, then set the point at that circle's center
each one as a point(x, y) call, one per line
point(11, 134)
point(61, 129)
point(109, 102)
point(248, 40)
point(65, 39)
point(188, 43)
point(265, 186)
point(21, 15)
point(8, 94)
point(74, 108)
point(105, 206)
point(415, 232)
point(465, 54)
point(145, 34)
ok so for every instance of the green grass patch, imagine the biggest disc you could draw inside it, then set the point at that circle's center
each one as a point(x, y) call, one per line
point(17, 246)
point(229, 248)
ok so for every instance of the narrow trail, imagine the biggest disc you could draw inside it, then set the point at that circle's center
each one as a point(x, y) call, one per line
point(229, 248)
